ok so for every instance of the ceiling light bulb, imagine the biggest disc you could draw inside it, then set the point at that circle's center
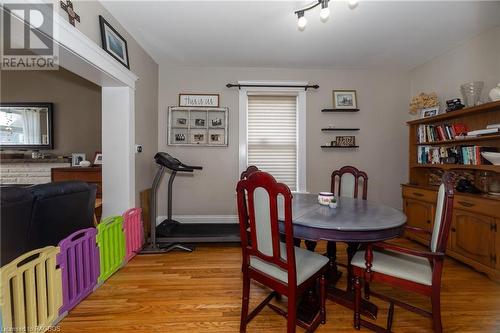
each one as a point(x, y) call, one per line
point(324, 14)
point(352, 3)
point(302, 22)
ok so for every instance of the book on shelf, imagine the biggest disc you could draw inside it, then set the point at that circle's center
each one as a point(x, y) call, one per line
point(438, 133)
point(485, 131)
point(493, 126)
point(465, 155)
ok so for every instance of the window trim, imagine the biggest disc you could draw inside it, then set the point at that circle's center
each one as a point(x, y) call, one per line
point(301, 123)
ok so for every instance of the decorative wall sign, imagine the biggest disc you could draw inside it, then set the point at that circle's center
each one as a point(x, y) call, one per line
point(199, 100)
point(189, 126)
point(345, 141)
point(72, 15)
point(113, 42)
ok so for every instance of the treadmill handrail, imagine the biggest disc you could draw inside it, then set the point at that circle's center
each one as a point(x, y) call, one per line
point(169, 162)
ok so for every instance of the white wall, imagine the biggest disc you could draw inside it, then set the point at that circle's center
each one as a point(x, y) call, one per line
point(383, 100)
point(477, 59)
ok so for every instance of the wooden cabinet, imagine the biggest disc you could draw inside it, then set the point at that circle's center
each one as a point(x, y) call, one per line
point(474, 238)
point(92, 175)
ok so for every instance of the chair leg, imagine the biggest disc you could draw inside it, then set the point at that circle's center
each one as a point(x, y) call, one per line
point(357, 303)
point(244, 304)
point(351, 251)
point(436, 311)
point(367, 290)
point(322, 297)
point(292, 313)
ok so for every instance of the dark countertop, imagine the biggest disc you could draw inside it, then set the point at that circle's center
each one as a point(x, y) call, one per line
point(33, 160)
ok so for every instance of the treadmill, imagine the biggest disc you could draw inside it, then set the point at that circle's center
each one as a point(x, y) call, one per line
point(171, 234)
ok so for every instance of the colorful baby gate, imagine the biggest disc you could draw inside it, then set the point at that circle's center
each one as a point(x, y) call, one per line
point(31, 294)
point(111, 243)
point(134, 234)
point(79, 263)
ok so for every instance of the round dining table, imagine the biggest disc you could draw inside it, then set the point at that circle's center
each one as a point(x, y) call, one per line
point(352, 221)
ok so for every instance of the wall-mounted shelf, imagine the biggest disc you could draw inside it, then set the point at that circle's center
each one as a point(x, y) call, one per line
point(341, 147)
point(340, 110)
point(340, 129)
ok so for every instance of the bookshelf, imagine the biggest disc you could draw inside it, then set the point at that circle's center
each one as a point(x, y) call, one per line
point(475, 230)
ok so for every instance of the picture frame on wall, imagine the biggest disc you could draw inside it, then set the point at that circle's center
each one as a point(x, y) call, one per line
point(345, 99)
point(113, 43)
point(189, 126)
point(199, 100)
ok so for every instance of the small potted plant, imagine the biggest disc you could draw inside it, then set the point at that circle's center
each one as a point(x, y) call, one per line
point(333, 202)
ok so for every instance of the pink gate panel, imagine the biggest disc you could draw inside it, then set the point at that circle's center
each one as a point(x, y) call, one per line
point(79, 263)
point(134, 232)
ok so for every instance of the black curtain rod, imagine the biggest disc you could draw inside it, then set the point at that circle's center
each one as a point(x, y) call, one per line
point(230, 85)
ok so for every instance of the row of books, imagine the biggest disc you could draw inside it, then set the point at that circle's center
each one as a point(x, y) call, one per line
point(468, 155)
point(436, 133)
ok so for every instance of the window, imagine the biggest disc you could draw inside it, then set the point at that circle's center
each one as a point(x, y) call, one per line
point(272, 134)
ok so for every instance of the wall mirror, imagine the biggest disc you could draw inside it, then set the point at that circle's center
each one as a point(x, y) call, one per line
point(26, 126)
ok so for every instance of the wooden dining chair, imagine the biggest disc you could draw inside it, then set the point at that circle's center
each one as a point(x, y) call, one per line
point(409, 269)
point(284, 268)
point(250, 169)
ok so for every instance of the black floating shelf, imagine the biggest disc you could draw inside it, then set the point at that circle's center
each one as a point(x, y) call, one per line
point(340, 129)
point(340, 110)
point(341, 147)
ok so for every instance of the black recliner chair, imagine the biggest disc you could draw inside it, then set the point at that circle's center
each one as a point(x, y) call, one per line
point(60, 209)
point(16, 206)
point(41, 215)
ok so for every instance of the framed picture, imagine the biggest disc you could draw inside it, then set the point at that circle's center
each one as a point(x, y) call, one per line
point(429, 112)
point(198, 119)
point(345, 141)
point(198, 137)
point(113, 42)
point(344, 99)
point(199, 100)
point(197, 126)
point(98, 158)
point(216, 137)
point(76, 158)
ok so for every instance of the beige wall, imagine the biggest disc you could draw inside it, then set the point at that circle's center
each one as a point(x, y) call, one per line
point(477, 59)
point(146, 94)
point(382, 97)
point(77, 106)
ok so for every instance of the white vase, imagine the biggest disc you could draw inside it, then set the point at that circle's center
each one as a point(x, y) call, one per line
point(495, 93)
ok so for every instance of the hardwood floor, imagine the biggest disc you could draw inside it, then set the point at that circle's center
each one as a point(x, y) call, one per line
point(201, 292)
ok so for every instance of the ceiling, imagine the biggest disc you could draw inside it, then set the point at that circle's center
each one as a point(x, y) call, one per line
point(389, 34)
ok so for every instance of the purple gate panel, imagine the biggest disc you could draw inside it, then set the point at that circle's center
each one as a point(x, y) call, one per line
point(134, 232)
point(79, 263)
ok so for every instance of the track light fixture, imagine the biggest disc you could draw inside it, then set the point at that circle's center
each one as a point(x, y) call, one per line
point(324, 14)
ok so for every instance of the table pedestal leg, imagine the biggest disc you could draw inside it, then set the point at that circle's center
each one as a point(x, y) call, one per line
point(334, 274)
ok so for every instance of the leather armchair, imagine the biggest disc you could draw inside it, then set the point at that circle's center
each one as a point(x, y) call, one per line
point(59, 209)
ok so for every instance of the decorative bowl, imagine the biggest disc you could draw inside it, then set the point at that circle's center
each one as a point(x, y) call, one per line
point(85, 164)
point(492, 157)
point(324, 198)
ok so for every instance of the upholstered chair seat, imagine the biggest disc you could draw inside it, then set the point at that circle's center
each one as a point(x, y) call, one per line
point(308, 263)
point(397, 264)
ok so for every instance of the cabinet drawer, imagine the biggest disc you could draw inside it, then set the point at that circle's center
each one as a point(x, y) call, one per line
point(419, 194)
point(477, 205)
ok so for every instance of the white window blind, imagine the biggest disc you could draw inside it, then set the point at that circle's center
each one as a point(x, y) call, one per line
point(272, 136)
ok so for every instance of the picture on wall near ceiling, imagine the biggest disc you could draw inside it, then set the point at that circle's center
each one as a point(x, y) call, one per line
point(113, 42)
point(344, 99)
point(197, 126)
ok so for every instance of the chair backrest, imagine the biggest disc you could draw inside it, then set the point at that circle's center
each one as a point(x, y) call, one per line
point(442, 219)
point(258, 200)
point(251, 169)
point(349, 181)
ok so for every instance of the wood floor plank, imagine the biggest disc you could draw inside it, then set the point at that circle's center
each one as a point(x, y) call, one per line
point(201, 292)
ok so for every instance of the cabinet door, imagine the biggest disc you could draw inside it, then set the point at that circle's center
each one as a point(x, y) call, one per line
point(420, 215)
point(472, 236)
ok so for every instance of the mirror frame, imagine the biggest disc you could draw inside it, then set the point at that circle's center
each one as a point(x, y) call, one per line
point(50, 108)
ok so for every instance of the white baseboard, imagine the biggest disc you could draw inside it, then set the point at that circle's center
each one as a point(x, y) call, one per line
point(201, 219)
